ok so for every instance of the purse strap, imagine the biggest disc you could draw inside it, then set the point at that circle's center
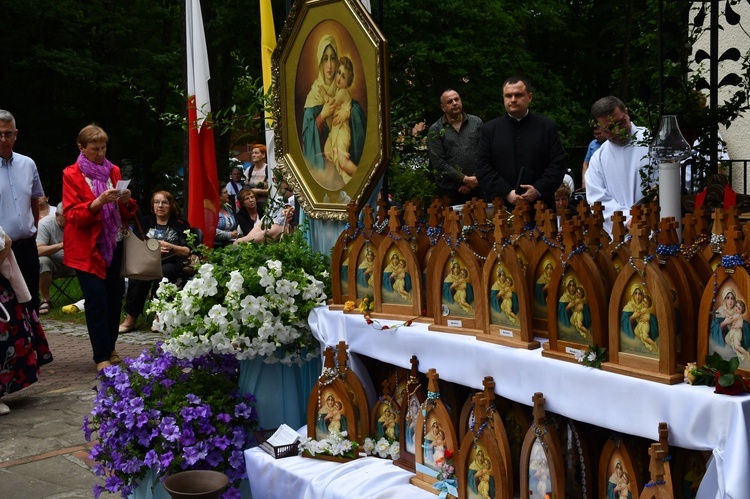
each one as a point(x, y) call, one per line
point(137, 217)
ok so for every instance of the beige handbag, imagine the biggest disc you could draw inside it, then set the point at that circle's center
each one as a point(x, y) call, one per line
point(141, 260)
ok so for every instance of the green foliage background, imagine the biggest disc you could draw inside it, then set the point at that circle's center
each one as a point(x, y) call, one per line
point(68, 63)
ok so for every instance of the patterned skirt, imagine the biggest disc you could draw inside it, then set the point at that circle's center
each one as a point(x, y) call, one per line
point(23, 345)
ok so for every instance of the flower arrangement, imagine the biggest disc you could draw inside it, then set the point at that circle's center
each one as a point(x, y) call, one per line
point(718, 373)
point(447, 483)
point(249, 300)
point(593, 357)
point(335, 445)
point(161, 413)
point(383, 448)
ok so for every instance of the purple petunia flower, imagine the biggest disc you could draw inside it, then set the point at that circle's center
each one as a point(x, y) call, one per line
point(169, 429)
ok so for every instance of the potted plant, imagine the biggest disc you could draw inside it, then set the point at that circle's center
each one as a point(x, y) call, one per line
point(157, 415)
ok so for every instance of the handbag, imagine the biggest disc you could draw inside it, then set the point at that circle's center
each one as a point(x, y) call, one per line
point(141, 260)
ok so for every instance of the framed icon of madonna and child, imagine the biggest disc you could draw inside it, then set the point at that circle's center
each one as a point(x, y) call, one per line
point(330, 103)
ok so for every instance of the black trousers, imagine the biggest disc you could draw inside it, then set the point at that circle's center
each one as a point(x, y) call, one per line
point(103, 306)
point(27, 256)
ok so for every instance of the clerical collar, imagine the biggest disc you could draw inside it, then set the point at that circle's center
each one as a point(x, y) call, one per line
point(519, 119)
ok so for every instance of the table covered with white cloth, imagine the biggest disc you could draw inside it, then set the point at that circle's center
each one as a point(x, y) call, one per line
point(306, 478)
point(698, 418)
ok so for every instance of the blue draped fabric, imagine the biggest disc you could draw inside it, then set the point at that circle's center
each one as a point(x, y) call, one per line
point(539, 294)
point(312, 139)
point(387, 285)
point(447, 295)
point(562, 314)
point(514, 300)
point(625, 325)
point(281, 391)
point(362, 278)
point(407, 282)
point(494, 301)
point(469, 293)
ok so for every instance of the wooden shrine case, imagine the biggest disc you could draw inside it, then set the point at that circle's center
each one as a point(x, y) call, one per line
point(542, 469)
point(617, 470)
point(577, 318)
point(543, 261)
point(724, 318)
point(642, 319)
point(504, 284)
point(435, 436)
point(481, 466)
point(410, 405)
point(455, 272)
point(398, 276)
point(329, 408)
point(364, 252)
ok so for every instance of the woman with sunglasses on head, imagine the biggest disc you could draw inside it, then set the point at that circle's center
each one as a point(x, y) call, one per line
point(165, 225)
point(94, 213)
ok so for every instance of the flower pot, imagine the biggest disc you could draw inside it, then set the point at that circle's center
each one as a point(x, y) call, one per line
point(196, 484)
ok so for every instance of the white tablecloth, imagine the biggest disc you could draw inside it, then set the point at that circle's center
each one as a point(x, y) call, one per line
point(304, 478)
point(697, 418)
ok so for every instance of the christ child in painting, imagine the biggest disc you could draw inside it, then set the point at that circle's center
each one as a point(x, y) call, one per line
point(399, 280)
point(507, 303)
point(340, 138)
point(643, 327)
point(576, 318)
point(735, 323)
point(460, 285)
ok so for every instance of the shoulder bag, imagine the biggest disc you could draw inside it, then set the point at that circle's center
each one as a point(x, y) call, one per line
point(141, 260)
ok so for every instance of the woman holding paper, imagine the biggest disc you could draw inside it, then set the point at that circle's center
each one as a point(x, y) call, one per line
point(94, 212)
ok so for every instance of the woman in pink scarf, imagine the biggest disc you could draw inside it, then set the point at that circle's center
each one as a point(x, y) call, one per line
point(94, 213)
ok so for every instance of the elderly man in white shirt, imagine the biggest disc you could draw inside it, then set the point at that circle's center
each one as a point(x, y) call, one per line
point(613, 177)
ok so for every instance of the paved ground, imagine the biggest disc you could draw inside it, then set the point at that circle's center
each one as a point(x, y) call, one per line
point(43, 453)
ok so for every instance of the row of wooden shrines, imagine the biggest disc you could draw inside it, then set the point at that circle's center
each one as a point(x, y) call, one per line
point(654, 299)
point(489, 446)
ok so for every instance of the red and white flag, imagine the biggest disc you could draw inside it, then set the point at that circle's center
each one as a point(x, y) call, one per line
point(203, 181)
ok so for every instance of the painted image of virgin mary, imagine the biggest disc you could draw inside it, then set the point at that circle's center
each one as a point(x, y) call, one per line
point(573, 310)
point(457, 287)
point(480, 481)
point(729, 327)
point(323, 113)
point(637, 321)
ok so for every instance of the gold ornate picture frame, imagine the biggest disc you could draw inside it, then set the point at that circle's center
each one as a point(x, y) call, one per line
point(330, 103)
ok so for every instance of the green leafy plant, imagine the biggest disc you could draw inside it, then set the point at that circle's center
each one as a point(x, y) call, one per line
point(719, 373)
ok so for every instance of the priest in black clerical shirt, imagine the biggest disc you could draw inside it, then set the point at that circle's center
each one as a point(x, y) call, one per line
point(520, 155)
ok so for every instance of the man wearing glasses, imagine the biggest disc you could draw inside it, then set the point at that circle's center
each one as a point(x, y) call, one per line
point(20, 190)
point(613, 176)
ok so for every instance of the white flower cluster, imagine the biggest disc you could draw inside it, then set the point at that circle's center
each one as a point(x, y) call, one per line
point(335, 445)
point(266, 324)
point(382, 448)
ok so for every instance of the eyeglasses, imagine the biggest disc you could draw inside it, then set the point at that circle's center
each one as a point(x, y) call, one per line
point(161, 203)
point(7, 135)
